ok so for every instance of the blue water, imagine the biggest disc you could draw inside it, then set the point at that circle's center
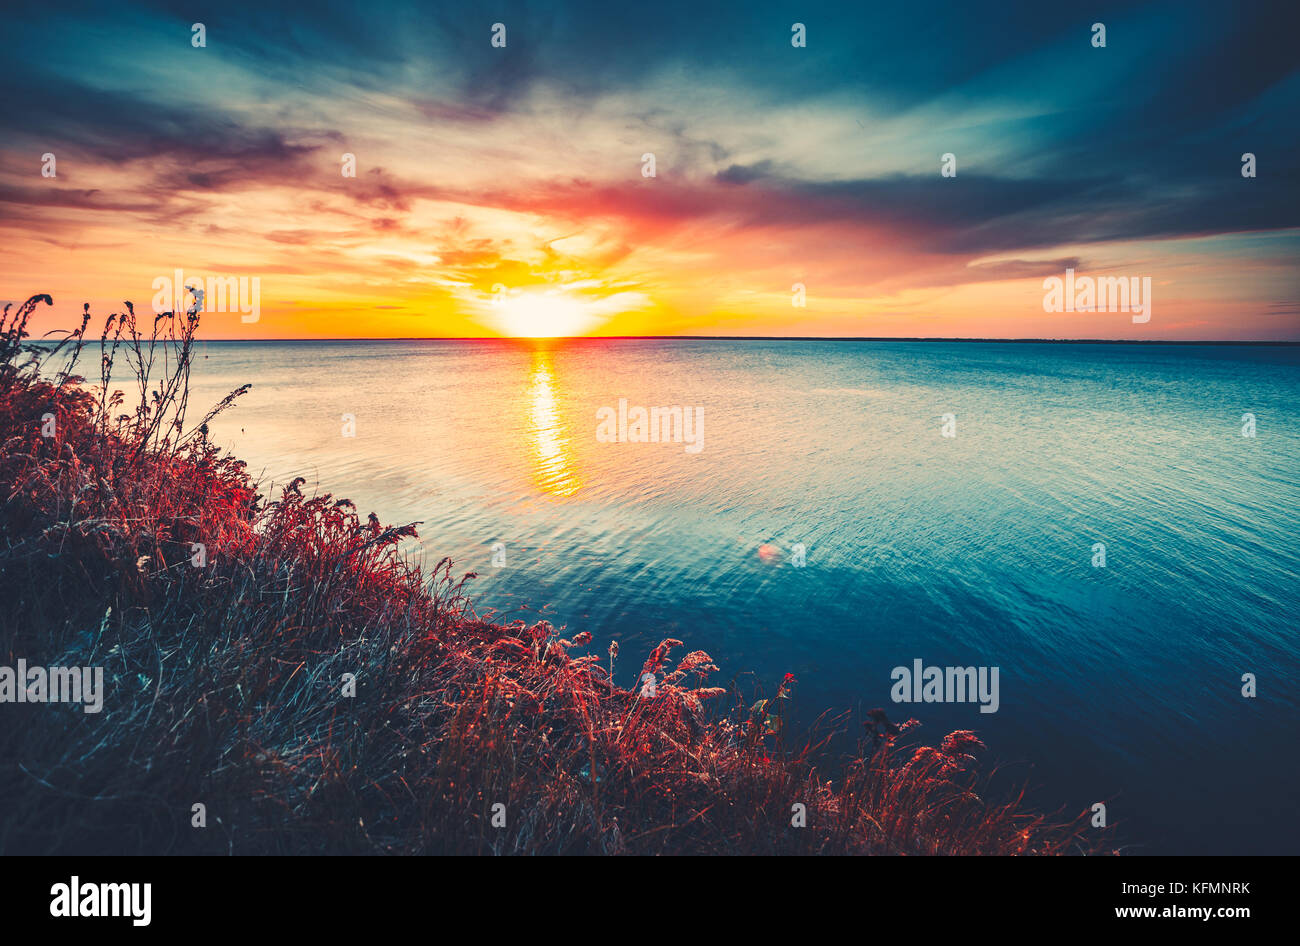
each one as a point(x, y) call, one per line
point(1119, 684)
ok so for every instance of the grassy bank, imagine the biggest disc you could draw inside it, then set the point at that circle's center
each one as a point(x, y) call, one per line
point(229, 626)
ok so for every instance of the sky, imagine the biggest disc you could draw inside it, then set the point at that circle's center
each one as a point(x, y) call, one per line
point(505, 189)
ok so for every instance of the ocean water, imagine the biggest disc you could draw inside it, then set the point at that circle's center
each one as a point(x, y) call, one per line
point(1119, 684)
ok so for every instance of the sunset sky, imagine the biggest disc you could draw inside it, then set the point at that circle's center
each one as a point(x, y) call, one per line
point(522, 166)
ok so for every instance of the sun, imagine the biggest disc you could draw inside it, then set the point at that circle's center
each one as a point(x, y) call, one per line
point(556, 311)
point(549, 313)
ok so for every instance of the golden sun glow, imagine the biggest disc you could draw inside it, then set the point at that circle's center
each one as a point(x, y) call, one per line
point(541, 315)
point(555, 312)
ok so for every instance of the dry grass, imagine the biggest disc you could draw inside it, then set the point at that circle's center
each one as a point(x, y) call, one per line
point(225, 682)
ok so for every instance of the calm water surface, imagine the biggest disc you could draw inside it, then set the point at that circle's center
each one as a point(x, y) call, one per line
point(1119, 683)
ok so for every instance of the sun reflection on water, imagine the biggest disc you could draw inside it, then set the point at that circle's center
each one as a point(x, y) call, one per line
point(553, 469)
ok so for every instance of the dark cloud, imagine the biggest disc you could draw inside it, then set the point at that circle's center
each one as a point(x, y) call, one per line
point(1184, 89)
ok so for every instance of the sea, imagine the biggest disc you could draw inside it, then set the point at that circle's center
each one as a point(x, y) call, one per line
point(1114, 527)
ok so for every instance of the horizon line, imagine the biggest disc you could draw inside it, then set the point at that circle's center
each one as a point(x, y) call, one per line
point(768, 338)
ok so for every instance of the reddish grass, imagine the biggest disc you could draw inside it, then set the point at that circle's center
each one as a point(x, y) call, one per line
point(225, 683)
